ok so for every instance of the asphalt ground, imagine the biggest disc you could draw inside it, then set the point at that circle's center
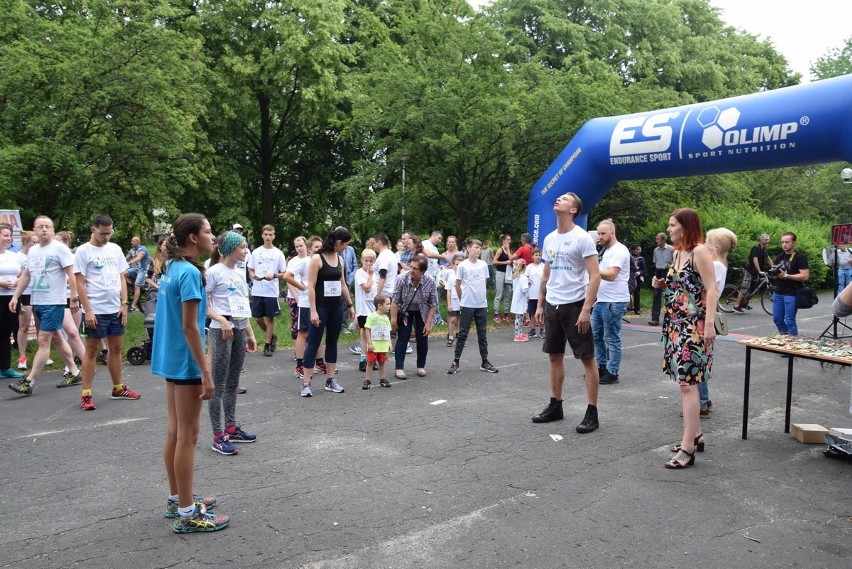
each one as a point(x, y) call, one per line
point(443, 471)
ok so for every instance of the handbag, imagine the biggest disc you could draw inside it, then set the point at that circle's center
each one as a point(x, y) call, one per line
point(806, 298)
point(721, 323)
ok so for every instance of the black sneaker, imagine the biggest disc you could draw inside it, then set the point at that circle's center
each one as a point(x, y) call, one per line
point(102, 357)
point(384, 383)
point(267, 350)
point(23, 386)
point(367, 384)
point(362, 366)
point(454, 368)
point(553, 412)
point(274, 343)
point(608, 378)
point(590, 421)
point(738, 309)
point(486, 366)
point(69, 379)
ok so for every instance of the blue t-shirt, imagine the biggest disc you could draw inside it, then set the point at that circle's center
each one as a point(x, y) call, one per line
point(170, 355)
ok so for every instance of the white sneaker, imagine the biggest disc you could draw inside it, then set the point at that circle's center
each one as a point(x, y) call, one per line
point(333, 386)
point(409, 349)
point(49, 362)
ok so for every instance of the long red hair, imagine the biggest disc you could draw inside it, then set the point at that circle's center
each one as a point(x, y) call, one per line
point(691, 223)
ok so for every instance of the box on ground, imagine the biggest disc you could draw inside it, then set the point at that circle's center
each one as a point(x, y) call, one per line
point(808, 433)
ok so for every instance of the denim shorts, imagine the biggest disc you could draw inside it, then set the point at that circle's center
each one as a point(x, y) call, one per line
point(108, 325)
point(50, 316)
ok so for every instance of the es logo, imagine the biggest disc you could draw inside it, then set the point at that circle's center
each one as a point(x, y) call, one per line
point(642, 135)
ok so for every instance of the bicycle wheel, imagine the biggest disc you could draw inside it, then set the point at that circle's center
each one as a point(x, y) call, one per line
point(766, 299)
point(729, 298)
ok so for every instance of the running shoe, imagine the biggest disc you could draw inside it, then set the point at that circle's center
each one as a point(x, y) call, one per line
point(101, 358)
point(11, 374)
point(274, 343)
point(69, 379)
point(321, 368)
point(124, 393)
point(238, 435)
point(355, 349)
point(203, 503)
point(532, 334)
point(450, 342)
point(486, 366)
point(409, 349)
point(86, 403)
point(22, 362)
point(267, 350)
point(23, 386)
point(241, 390)
point(306, 391)
point(454, 368)
point(333, 386)
point(222, 445)
point(299, 373)
point(49, 362)
point(384, 383)
point(498, 319)
point(200, 521)
point(367, 384)
point(522, 338)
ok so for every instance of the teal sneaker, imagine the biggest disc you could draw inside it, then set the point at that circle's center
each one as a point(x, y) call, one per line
point(11, 374)
point(200, 521)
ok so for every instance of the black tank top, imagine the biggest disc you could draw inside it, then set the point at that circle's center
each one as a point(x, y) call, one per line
point(328, 288)
point(501, 256)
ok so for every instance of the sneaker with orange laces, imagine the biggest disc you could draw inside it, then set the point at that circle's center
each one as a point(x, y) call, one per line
point(22, 362)
point(122, 392)
point(86, 403)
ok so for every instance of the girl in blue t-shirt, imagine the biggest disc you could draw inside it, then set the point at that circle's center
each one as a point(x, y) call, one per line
point(178, 355)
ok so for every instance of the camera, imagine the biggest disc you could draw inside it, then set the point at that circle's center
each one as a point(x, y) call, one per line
point(774, 270)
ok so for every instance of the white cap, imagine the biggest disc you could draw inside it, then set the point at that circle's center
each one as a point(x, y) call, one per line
point(237, 226)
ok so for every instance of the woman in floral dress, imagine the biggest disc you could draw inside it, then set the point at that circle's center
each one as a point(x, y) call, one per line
point(688, 324)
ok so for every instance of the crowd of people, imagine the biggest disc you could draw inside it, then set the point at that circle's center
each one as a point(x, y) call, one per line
point(572, 291)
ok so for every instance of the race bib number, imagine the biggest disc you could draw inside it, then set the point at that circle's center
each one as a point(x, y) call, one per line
point(380, 333)
point(111, 281)
point(240, 307)
point(331, 288)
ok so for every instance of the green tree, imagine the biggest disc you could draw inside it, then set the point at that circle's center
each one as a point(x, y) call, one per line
point(98, 109)
point(835, 63)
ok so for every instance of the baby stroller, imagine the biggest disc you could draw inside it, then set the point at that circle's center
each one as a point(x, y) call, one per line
point(138, 355)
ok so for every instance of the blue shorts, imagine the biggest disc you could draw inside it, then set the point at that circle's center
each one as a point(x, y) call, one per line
point(305, 319)
point(50, 316)
point(138, 275)
point(108, 325)
point(265, 307)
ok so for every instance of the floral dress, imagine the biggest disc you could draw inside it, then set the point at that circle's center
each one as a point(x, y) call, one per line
point(684, 356)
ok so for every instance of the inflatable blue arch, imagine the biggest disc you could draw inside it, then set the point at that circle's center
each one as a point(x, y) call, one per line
point(794, 126)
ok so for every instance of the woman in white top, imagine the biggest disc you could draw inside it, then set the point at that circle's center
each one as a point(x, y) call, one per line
point(10, 270)
point(25, 316)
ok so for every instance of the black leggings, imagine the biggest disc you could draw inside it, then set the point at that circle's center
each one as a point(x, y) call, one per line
point(8, 324)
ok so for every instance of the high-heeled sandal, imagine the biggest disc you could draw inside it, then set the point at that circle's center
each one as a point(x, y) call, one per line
point(699, 444)
point(676, 464)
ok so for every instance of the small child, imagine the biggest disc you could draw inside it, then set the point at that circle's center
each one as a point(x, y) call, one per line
point(520, 290)
point(378, 329)
point(452, 300)
point(534, 273)
point(366, 287)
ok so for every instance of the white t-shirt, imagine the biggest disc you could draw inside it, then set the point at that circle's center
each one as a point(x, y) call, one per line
point(473, 278)
point(294, 270)
point(388, 261)
point(617, 290)
point(103, 269)
point(298, 267)
point(534, 273)
point(46, 265)
point(721, 275)
point(450, 285)
point(432, 269)
point(265, 262)
point(10, 268)
point(520, 294)
point(566, 253)
point(227, 294)
point(364, 300)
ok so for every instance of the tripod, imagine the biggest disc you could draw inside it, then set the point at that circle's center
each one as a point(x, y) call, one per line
point(835, 321)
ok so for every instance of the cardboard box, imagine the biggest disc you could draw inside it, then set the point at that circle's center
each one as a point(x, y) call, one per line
point(806, 433)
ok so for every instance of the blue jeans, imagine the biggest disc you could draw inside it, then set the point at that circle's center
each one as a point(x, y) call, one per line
point(844, 277)
point(703, 392)
point(331, 320)
point(606, 330)
point(784, 313)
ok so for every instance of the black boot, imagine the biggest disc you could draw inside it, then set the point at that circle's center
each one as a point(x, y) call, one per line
point(608, 378)
point(590, 421)
point(553, 412)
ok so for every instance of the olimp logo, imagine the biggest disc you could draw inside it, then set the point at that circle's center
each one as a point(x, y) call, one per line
point(721, 134)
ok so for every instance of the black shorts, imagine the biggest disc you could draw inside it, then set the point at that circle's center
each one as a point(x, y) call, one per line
point(193, 381)
point(561, 325)
point(362, 320)
point(265, 307)
point(304, 319)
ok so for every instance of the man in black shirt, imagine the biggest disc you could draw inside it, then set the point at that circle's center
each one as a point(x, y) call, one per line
point(793, 271)
point(753, 268)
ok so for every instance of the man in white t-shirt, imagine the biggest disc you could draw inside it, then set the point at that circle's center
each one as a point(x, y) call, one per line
point(569, 287)
point(386, 265)
point(266, 267)
point(613, 299)
point(99, 268)
point(50, 269)
point(471, 278)
point(430, 249)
